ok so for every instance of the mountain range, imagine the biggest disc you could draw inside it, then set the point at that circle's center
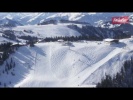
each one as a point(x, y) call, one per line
point(93, 25)
point(35, 18)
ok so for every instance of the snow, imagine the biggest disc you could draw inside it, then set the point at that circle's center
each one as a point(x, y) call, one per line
point(48, 30)
point(52, 65)
point(87, 72)
point(34, 17)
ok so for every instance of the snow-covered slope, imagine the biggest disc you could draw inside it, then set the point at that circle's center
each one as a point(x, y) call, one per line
point(6, 22)
point(54, 65)
point(47, 30)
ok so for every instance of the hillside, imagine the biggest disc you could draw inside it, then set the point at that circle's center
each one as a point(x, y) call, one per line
point(47, 30)
point(54, 65)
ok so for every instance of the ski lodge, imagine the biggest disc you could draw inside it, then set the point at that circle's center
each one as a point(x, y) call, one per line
point(111, 41)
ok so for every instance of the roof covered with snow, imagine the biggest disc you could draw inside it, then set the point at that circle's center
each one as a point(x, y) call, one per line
point(109, 40)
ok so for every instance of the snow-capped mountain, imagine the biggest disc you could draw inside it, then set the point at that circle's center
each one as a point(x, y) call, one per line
point(59, 24)
point(62, 21)
point(35, 18)
point(6, 22)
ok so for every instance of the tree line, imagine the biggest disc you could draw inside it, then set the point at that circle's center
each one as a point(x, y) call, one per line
point(70, 38)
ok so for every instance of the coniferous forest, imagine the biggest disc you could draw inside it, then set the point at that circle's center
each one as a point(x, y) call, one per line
point(124, 78)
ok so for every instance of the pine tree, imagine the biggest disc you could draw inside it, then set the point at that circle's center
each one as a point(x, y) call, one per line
point(14, 64)
point(31, 44)
point(11, 61)
point(7, 65)
point(10, 66)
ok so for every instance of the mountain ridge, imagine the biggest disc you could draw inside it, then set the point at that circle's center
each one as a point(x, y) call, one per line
point(35, 18)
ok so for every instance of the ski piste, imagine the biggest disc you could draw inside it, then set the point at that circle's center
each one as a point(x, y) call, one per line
point(62, 56)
